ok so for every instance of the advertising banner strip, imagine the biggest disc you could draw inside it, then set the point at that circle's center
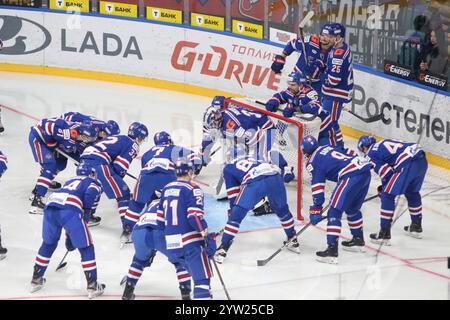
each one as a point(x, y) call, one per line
point(247, 29)
point(70, 5)
point(433, 80)
point(118, 9)
point(397, 70)
point(165, 15)
point(208, 22)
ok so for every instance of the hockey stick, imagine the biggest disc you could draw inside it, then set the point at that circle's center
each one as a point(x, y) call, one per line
point(260, 263)
point(62, 264)
point(296, 116)
point(220, 278)
point(302, 24)
point(378, 117)
point(77, 163)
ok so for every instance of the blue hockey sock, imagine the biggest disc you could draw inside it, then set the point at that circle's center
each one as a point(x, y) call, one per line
point(135, 271)
point(387, 210)
point(133, 213)
point(355, 222)
point(43, 257)
point(334, 225)
point(202, 289)
point(231, 229)
point(122, 204)
point(287, 221)
point(184, 278)
point(88, 263)
point(44, 181)
point(415, 206)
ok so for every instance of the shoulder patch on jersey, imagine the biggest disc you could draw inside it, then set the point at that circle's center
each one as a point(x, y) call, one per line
point(312, 94)
point(337, 61)
point(310, 168)
point(338, 52)
point(172, 192)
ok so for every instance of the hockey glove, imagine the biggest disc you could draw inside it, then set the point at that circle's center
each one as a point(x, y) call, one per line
point(69, 245)
point(289, 176)
point(272, 105)
point(315, 215)
point(211, 246)
point(278, 63)
point(288, 112)
point(380, 190)
point(87, 215)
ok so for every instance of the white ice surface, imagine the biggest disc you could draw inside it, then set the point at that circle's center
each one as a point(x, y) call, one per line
point(409, 269)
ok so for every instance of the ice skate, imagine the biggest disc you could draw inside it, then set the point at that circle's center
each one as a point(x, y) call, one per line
point(94, 221)
point(414, 230)
point(329, 255)
point(37, 205)
point(356, 244)
point(95, 289)
point(293, 246)
point(128, 292)
point(383, 237)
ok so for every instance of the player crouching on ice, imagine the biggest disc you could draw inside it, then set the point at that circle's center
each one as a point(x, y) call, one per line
point(352, 177)
point(402, 168)
point(69, 209)
point(247, 181)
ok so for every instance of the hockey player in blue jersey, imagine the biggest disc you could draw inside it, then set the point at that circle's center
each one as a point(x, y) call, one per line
point(300, 97)
point(158, 169)
point(111, 158)
point(352, 177)
point(148, 238)
point(337, 88)
point(247, 181)
point(317, 49)
point(3, 168)
point(45, 138)
point(108, 128)
point(239, 124)
point(402, 168)
point(186, 231)
point(69, 209)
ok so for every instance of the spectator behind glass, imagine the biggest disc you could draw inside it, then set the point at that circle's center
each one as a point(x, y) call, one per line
point(409, 53)
point(432, 58)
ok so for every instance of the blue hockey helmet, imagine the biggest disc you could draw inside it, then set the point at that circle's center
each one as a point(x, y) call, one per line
point(297, 77)
point(162, 138)
point(327, 29)
point(218, 102)
point(309, 145)
point(112, 128)
point(138, 132)
point(338, 29)
point(85, 169)
point(213, 118)
point(183, 166)
point(366, 142)
point(86, 132)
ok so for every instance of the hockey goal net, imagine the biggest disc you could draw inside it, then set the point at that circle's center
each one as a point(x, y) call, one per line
point(287, 140)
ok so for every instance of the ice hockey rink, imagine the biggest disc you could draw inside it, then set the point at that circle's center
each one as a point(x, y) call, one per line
point(409, 269)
